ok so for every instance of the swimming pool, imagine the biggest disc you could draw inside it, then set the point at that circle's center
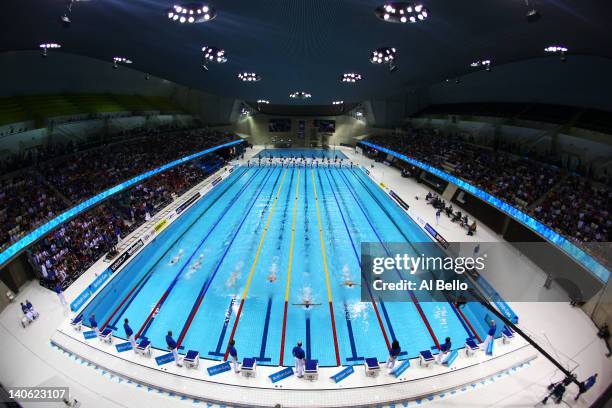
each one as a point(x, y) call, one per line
point(241, 261)
point(302, 152)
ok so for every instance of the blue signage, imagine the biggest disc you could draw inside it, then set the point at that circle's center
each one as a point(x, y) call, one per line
point(121, 347)
point(281, 375)
point(219, 368)
point(91, 334)
point(164, 359)
point(561, 242)
point(80, 300)
point(90, 290)
point(44, 229)
point(341, 375)
point(399, 370)
point(453, 356)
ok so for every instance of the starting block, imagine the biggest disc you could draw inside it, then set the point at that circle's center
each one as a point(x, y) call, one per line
point(77, 323)
point(507, 335)
point(192, 359)
point(311, 370)
point(471, 347)
point(144, 348)
point(107, 335)
point(249, 367)
point(426, 358)
point(372, 367)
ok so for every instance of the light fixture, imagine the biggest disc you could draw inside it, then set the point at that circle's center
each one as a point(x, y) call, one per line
point(120, 60)
point(191, 13)
point(47, 46)
point(401, 12)
point(350, 77)
point(480, 64)
point(384, 55)
point(213, 54)
point(557, 49)
point(249, 77)
point(263, 102)
point(338, 103)
point(300, 95)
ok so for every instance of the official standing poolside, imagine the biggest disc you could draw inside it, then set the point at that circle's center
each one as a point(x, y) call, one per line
point(173, 347)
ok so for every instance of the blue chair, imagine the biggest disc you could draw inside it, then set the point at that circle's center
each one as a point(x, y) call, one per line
point(249, 367)
point(192, 359)
point(426, 358)
point(372, 367)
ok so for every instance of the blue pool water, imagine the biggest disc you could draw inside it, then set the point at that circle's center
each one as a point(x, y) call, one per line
point(243, 258)
point(302, 152)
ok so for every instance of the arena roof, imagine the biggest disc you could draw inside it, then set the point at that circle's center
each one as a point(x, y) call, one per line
point(307, 45)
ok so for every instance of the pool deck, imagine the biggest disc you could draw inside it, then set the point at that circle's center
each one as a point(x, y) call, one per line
point(511, 378)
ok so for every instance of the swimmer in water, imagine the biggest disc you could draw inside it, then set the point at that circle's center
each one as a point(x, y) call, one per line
point(307, 303)
point(349, 283)
point(233, 279)
point(177, 257)
point(272, 277)
point(198, 263)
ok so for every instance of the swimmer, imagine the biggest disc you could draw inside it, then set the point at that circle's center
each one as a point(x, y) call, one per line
point(307, 303)
point(233, 279)
point(177, 257)
point(349, 283)
point(198, 263)
point(272, 277)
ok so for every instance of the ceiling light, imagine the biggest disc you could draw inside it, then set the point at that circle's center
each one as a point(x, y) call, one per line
point(384, 55)
point(263, 101)
point(249, 77)
point(337, 102)
point(482, 64)
point(191, 13)
point(120, 60)
point(47, 46)
point(213, 54)
point(300, 95)
point(350, 77)
point(401, 12)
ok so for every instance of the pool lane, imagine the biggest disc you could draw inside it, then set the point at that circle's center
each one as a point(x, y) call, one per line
point(360, 332)
point(198, 267)
point(401, 319)
point(144, 269)
point(212, 315)
point(442, 316)
point(260, 321)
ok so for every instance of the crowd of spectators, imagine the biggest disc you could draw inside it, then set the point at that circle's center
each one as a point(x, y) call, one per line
point(575, 207)
point(516, 180)
point(68, 251)
point(25, 203)
point(579, 210)
point(58, 176)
